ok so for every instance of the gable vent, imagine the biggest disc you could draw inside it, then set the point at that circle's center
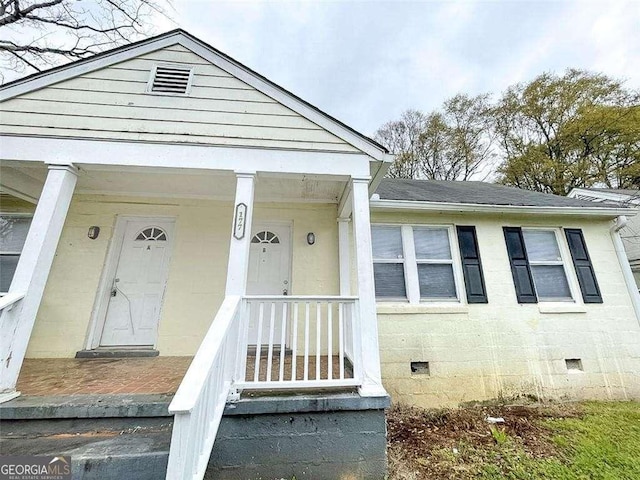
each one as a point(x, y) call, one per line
point(171, 79)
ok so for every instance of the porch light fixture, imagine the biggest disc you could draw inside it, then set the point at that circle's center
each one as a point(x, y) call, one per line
point(93, 232)
point(311, 238)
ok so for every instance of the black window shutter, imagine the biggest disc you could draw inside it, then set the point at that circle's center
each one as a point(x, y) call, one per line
point(471, 265)
point(582, 263)
point(522, 279)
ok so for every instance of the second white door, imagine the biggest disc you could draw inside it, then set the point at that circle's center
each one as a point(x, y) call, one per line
point(269, 274)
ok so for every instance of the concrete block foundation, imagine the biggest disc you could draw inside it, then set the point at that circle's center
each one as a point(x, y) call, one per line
point(334, 437)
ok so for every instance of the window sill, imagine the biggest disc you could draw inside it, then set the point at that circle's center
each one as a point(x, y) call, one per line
point(389, 308)
point(561, 308)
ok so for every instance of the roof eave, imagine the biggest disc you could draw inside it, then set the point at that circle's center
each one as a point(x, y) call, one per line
point(607, 212)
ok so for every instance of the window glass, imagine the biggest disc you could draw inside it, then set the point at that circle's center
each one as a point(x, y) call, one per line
point(8, 265)
point(386, 242)
point(432, 243)
point(551, 282)
point(547, 265)
point(389, 280)
point(13, 233)
point(426, 272)
point(541, 245)
point(436, 281)
point(152, 233)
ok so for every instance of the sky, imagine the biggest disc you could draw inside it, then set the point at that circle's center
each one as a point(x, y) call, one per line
point(366, 62)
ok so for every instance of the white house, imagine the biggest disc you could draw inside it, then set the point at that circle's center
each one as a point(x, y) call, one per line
point(163, 199)
point(631, 233)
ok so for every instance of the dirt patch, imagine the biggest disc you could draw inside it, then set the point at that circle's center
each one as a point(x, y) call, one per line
point(446, 444)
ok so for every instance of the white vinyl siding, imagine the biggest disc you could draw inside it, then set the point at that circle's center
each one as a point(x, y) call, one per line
point(113, 103)
point(416, 263)
point(548, 267)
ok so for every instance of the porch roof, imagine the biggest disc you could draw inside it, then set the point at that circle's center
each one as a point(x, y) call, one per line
point(25, 179)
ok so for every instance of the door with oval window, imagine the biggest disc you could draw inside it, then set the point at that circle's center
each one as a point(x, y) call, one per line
point(136, 291)
point(269, 274)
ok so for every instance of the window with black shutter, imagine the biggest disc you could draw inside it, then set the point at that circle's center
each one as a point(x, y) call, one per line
point(416, 263)
point(520, 270)
point(582, 263)
point(471, 265)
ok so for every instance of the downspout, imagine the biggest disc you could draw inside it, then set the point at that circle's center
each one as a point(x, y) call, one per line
point(618, 225)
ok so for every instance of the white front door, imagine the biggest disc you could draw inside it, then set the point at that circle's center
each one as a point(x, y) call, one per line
point(136, 291)
point(269, 274)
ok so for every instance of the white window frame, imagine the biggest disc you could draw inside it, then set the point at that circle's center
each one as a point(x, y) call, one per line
point(18, 254)
point(410, 263)
point(401, 260)
point(569, 273)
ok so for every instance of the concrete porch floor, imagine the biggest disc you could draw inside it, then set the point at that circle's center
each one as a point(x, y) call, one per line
point(149, 375)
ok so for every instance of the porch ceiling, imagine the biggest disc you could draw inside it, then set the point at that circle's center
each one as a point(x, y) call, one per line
point(206, 184)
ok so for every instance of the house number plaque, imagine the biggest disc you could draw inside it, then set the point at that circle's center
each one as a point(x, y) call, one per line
point(239, 221)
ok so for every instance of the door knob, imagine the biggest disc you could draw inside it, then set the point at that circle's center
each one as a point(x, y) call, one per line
point(285, 292)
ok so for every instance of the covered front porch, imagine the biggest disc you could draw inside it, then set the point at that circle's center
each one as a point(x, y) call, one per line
point(298, 270)
point(284, 258)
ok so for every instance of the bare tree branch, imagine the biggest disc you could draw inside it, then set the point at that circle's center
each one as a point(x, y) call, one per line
point(35, 34)
point(19, 13)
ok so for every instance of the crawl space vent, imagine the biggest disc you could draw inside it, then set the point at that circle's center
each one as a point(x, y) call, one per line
point(171, 79)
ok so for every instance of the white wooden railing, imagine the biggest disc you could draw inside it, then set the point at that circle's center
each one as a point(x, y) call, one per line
point(300, 342)
point(200, 400)
point(10, 306)
point(7, 301)
point(260, 342)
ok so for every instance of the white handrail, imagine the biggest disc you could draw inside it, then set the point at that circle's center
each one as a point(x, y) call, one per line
point(9, 299)
point(300, 297)
point(199, 403)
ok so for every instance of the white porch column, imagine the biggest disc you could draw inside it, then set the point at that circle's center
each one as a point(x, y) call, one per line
point(344, 255)
point(372, 383)
point(238, 267)
point(32, 271)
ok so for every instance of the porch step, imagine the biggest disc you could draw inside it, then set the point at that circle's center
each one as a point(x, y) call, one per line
point(36, 407)
point(120, 352)
point(99, 449)
point(107, 436)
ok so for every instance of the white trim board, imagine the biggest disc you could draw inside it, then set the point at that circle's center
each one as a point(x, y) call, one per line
point(215, 198)
point(66, 151)
point(218, 59)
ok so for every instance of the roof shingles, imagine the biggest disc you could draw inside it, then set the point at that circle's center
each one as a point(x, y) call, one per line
point(471, 192)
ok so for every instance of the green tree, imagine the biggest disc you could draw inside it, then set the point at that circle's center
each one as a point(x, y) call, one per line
point(576, 130)
point(454, 143)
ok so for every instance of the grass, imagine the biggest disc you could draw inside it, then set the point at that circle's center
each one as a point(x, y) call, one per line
point(593, 440)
